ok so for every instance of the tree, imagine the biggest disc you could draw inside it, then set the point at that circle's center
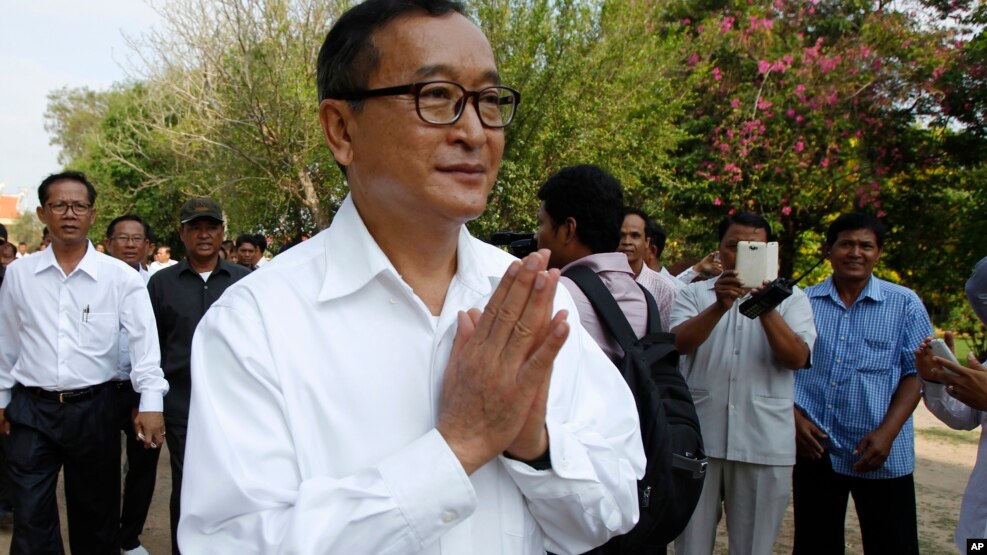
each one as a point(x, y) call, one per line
point(234, 82)
point(597, 86)
point(804, 110)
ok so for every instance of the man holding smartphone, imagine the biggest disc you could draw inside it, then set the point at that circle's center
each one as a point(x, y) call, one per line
point(740, 373)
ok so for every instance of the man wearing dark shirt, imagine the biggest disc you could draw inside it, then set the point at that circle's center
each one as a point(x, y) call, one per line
point(180, 295)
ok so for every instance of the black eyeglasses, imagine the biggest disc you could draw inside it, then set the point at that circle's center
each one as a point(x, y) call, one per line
point(78, 208)
point(443, 102)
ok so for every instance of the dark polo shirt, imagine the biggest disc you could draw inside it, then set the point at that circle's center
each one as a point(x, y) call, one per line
point(180, 298)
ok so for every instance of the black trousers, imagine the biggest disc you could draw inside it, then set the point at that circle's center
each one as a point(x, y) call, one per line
point(84, 438)
point(885, 508)
point(177, 432)
point(142, 470)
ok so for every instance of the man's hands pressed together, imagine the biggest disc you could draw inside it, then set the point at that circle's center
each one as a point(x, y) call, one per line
point(495, 388)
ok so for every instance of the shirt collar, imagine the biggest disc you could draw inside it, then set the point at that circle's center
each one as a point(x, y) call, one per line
point(604, 262)
point(357, 259)
point(827, 288)
point(89, 263)
point(184, 266)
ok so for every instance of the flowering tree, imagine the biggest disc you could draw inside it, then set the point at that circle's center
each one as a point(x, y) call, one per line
point(805, 109)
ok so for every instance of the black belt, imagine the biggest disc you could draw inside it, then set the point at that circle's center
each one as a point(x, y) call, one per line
point(68, 395)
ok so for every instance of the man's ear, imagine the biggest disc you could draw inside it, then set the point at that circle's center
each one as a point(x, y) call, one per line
point(336, 116)
point(570, 229)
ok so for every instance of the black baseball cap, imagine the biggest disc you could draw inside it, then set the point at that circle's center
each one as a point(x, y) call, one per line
point(201, 207)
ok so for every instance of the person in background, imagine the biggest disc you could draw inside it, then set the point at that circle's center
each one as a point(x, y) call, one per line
point(180, 295)
point(741, 373)
point(957, 395)
point(162, 259)
point(854, 407)
point(63, 312)
point(634, 243)
point(126, 240)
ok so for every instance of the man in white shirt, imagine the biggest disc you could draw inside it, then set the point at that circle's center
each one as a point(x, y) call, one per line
point(741, 375)
point(126, 240)
point(162, 259)
point(634, 242)
point(63, 312)
point(394, 385)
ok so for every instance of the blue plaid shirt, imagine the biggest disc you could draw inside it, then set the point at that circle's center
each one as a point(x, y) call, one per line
point(861, 355)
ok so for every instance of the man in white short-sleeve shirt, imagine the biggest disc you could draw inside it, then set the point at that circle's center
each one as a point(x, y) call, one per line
point(741, 375)
point(394, 385)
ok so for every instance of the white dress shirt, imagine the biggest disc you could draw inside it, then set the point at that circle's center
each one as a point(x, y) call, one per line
point(956, 415)
point(743, 395)
point(315, 396)
point(61, 332)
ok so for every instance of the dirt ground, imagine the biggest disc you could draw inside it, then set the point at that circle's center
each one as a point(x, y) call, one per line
point(945, 458)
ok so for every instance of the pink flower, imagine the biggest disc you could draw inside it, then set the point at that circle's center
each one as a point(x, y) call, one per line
point(694, 59)
point(881, 213)
point(790, 113)
point(798, 119)
point(799, 146)
point(716, 74)
point(717, 201)
point(786, 210)
point(824, 163)
point(763, 104)
point(735, 103)
point(763, 66)
point(726, 24)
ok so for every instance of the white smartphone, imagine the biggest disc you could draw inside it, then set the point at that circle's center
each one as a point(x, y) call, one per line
point(757, 262)
point(941, 350)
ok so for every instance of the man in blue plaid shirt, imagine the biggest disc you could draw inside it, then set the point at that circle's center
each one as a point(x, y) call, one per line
point(853, 411)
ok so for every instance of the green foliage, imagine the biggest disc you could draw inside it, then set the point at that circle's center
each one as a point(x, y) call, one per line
point(597, 86)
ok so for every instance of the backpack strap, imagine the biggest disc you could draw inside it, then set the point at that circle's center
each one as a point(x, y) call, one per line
point(607, 308)
point(654, 320)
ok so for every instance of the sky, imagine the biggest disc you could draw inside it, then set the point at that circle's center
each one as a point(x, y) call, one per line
point(46, 45)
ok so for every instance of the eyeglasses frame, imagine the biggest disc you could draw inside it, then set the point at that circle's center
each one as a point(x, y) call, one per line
point(415, 89)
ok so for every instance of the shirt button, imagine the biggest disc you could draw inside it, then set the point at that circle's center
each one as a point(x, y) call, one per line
point(842, 338)
point(833, 383)
point(565, 464)
point(737, 352)
point(839, 360)
point(829, 406)
point(392, 301)
point(448, 517)
point(205, 287)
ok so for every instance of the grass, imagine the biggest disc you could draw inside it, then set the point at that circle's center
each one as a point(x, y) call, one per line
point(946, 435)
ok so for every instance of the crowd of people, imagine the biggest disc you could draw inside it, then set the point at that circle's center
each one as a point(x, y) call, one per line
point(395, 385)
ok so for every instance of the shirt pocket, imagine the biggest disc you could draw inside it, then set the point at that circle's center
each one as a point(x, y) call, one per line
point(99, 332)
point(876, 355)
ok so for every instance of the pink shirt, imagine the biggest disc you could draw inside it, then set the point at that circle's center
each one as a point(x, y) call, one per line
point(616, 273)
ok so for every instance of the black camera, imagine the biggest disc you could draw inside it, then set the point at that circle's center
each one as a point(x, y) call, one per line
point(518, 244)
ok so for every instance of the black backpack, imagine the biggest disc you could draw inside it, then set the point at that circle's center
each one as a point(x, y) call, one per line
point(673, 444)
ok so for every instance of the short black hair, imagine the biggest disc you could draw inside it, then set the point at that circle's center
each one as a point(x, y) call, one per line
point(111, 229)
point(639, 213)
point(592, 197)
point(257, 241)
point(852, 221)
point(348, 55)
point(748, 219)
point(65, 176)
point(656, 235)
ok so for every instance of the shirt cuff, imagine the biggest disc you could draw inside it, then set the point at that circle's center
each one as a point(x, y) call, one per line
point(570, 461)
point(933, 390)
point(152, 401)
point(433, 500)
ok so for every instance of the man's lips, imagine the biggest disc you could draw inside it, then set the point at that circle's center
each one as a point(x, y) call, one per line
point(463, 168)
